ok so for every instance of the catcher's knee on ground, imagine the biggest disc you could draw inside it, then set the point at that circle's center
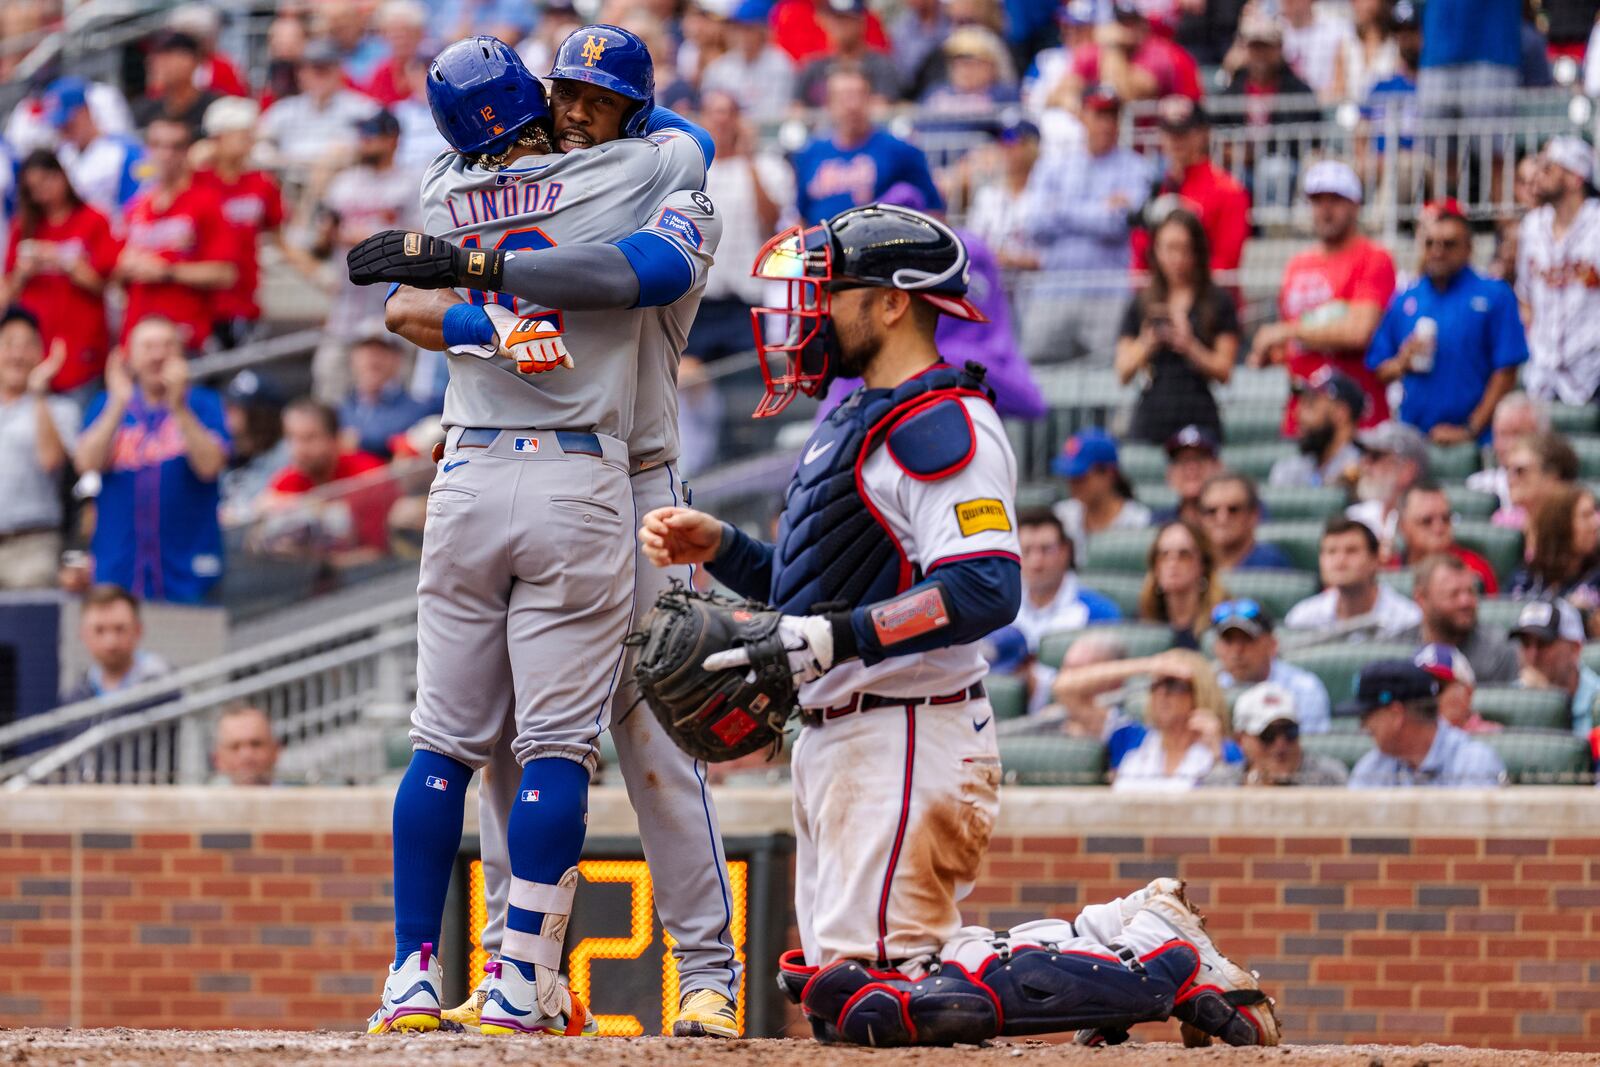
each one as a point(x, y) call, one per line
point(849, 1001)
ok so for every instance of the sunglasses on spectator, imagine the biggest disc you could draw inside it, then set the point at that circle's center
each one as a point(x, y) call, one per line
point(1224, 509)
point(1243, 608)
point(1171, 685)
point(1442, 242)
point(1287, 731)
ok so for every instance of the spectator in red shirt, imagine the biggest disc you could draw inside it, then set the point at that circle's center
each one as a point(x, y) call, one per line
point(1138, 64)
point(217, 72)
point(351, 525)
point(1194, 182)
point(1427, 527)
point(179, 251)
point(57, 261)
point(1333, 296)
point(798, 30)
point(402, 24)
point(252, 206)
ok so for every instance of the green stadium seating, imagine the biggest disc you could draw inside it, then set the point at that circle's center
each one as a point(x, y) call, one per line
point(1344, 724)
point(1524, 709)
point(1008, 695)
point(1121, 586)
point(397, 750)
point(1255, 460)
point(1141, 462)
point(1139, 638)
point(1301, 540)
point(1117, 550)
point(1500, 546)
point(1250, 423)
point(1573, 419)
point(1052, 760)
point(608, 753)
point(1040, 494)
point(1470, 505)
point(1542, 757)
point(1347, 748)
point(1401, 581)
point(1587, 446)
point(1591, 655)
point(1499, 614)
point(1452, 463)
point(1338, 664)
point(1285, 503)
point(1157, 496)
point(1279, 590)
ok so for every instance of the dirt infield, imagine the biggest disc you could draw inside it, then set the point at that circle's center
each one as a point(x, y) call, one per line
point(268, 1048)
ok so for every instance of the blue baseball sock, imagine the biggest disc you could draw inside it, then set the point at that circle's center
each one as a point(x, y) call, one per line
point(545, 833)
point(427, 834)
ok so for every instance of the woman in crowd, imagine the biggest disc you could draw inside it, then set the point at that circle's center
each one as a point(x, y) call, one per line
point(1186, 720)
point(1564, 552)
point(58, 258)
point(1181, 584)
point(1536, 466)
point(1182, 332)
point(1102, 498)
point(1367, 58)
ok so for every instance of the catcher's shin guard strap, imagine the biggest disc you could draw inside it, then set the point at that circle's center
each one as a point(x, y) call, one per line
point(863, 1006)
point(540, 897)
point(1042, 991)
point(537, 949)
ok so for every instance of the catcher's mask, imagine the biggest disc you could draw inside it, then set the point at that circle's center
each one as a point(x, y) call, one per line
point(879, 245)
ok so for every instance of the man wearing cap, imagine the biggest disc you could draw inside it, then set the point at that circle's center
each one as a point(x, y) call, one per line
point(1332, 296)
point(105, 168)
point(1101, 498)
point(1454, 337)
point(1456, 685)
point(846, 24)
point(1052, 599)
point(1398, 703)
point(753, 71)
point(252, 405)
point(37, 433)
point(1045, 84)
point(1191, 461)
point(170, 67)
point(1194, 182)
point(1247, 654)
point(1230, 511)
point(1394, 458)
point(1077, 215)
point(321, 118)
point(855, 162)
point(378, 409)
point(1558, 276)
point(1265, 75)
point(351, 525)
point(1549, 636)
point(1137, 63)
point(1267, 728)
point(1355, 605)
point(1330, 410)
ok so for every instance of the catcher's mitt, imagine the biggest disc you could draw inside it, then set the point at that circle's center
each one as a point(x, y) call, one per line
point(714, 715)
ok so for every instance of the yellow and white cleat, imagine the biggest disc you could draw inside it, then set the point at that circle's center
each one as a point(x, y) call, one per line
point(706, 1013)
point(467, 1013)
point(410, 995)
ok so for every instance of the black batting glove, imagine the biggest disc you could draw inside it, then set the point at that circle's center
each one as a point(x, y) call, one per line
point(423, 262)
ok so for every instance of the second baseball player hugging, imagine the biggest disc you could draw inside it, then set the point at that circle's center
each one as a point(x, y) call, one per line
point(897, 551)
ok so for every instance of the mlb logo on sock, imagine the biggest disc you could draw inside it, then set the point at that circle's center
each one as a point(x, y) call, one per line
point(435, 782)
point(530, 795)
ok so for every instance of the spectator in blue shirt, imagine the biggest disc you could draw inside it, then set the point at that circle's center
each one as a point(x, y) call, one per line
point(1230, 511)
point(1247, 655)
point(1397, 92)
point(159, 446)
point(1454, 336)
point(1471, 57)
point(856, 162)
point(378, 407)
point(1398, 703)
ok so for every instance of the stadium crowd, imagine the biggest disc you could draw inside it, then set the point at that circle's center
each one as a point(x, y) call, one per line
point(141, 220)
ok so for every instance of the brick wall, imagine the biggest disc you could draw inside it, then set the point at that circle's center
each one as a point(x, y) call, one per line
point(1376, 917)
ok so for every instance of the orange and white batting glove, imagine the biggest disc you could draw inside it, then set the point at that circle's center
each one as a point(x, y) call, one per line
point(534, 344)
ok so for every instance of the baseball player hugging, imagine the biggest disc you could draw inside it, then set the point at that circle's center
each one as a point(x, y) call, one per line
point(527, 578)
point(897, 551)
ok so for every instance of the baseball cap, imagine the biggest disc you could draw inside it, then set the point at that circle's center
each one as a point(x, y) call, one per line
point(1330, 176)
point(18, 313)
point(1177, 114)
point(1262, 705)
point(1101, 97)
point(1386, 681)
point(1192, 437)
point(1395, 438)
point(379, 124)
point(1078, 13)
point(251, 388)
point(1258, 28)
point(1405, 16)
point(63, 97)
point(1549, 620)
point(973, 42)
point(174, 41)
point(1447, 208)
point(320, 52)
point(1446, 663)
point(1006, 649)
point(1014, 126)
point(847, 7)
point(1573, 154)
point(1083, 452)
point(1245, 614)
point(1127, 11)
point(750, 12)
point(229, 114)
point(1336, 385)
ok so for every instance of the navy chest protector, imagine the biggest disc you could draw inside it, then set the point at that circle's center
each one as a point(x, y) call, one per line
point(834, 551)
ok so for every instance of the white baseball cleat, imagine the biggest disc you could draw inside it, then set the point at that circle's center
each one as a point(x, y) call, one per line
point(1224, 1000)
point(410, 995)
point(511, 1006)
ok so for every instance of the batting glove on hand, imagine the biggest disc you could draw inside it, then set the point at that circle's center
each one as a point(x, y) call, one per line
point(808, 639)
point(534, 344)
point(423, 262)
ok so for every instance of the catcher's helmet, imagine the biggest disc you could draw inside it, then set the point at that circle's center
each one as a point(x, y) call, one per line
point(876, 245)
point(482, 95)
point(614, 59)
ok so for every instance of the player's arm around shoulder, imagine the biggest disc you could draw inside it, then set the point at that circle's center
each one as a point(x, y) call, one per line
point(672, 253)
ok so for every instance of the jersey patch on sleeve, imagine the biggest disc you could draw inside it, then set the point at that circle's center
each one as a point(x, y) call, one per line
point(984, 513)
point(933, 441)
point(680, 226)
point(661, 138)
point(910, 616)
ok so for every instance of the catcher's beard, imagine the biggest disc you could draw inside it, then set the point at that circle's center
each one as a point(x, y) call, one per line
point(860, 340)
point(532, 136)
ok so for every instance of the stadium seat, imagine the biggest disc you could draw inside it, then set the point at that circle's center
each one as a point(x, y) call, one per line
point(1338, 664)
point(397, 750)
point(1118, 550)
point(1252, 423)
point(1301, 540)
point(1052, 760)
point(1344, 724)
point(1256, 460)
point(1121, 586)
point(1142, 462)
point(608, 753)
point(1499, 614)
point(1470, 505)
point(1452, 463)
point(1347, 748)
point(1401, 580)
point(1591, 655)
point(1279, 590)
point(1008, 695)
point(1139, 638)
point(1040, 494)
point(1524, 709)
point(1286, 503)
point(1587, 446)
point(1500, 546)
point(1573, 419)
point(1542, 757)
point(1157, 496)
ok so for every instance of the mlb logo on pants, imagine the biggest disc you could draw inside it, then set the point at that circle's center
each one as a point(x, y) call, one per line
point(531, 796)
point(435, 782)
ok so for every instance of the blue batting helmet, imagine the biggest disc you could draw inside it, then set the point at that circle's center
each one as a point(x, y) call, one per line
point(614, 59)
point(481, 94)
